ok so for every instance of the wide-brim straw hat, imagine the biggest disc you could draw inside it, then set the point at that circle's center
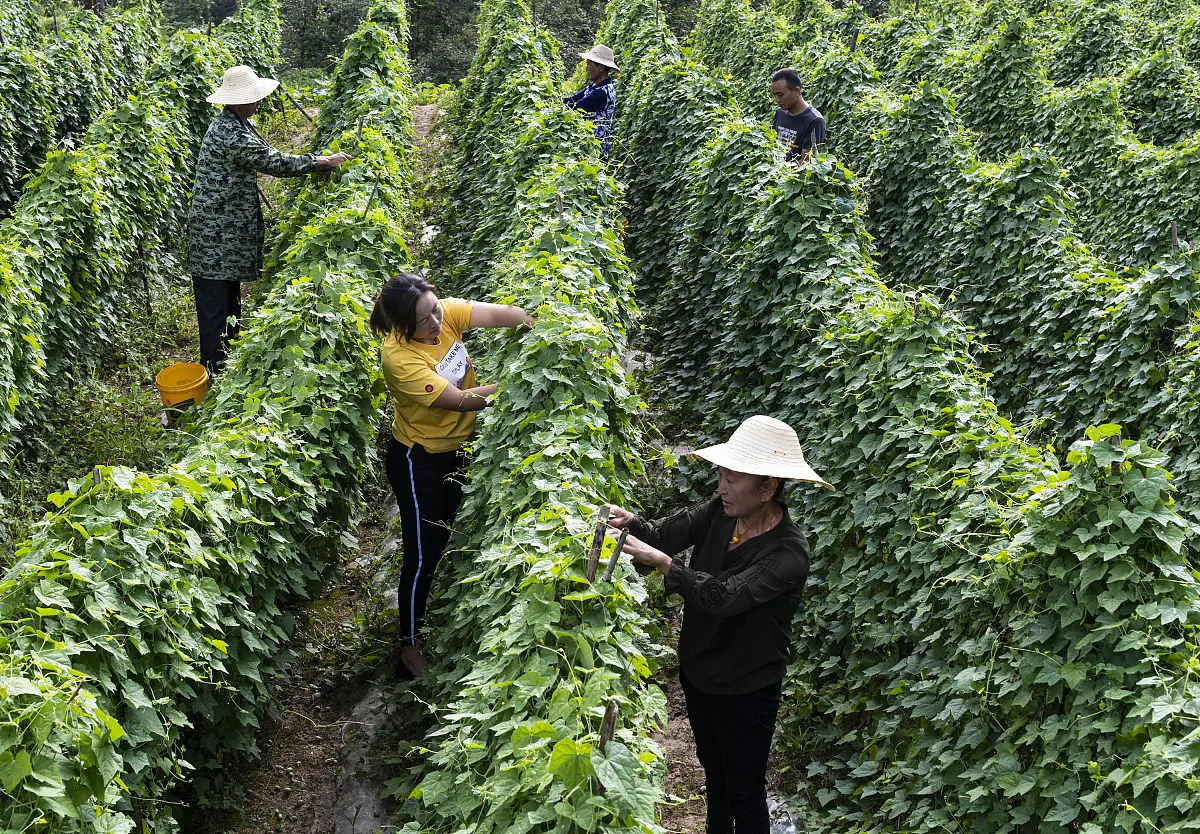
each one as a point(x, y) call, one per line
point(601, 54)
point(242, 85)
point(764, 446)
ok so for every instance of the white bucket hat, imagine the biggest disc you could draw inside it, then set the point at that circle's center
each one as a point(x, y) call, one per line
point(242, 85)
point(602, 55)
point(763, 446)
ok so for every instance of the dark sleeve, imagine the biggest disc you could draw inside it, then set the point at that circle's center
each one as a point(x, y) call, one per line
point(574, 98)
point(255, 154)
point(675, 533)
point(592, 102)
point(816, 137)
point(781, 570)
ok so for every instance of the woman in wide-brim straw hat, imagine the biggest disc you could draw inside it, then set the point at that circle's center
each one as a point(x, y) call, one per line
point(225, 223)
point(741, 590)
point(598, 99)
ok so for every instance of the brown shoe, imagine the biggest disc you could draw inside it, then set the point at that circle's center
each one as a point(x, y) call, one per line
point(408, 661)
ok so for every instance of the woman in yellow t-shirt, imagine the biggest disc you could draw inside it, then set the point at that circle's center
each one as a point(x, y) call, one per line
point(435, 395)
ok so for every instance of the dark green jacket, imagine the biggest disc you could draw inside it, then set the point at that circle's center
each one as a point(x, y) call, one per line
point(225, 224)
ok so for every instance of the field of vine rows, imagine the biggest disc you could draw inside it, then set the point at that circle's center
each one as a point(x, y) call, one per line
point(976, 305)
point(1001, 632)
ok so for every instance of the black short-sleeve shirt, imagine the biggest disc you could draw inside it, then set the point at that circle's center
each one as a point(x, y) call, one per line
point(803, 132)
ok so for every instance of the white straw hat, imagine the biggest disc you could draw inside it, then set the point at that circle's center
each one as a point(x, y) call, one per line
point(242, 86)
point(763, 446)
point(602, 55)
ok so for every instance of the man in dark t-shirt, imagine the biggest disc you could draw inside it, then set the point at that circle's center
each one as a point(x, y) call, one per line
point(798, 124)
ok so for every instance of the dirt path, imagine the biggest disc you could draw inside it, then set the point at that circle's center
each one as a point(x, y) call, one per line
point(424, 115)
point(684, 809)
point(294, 787)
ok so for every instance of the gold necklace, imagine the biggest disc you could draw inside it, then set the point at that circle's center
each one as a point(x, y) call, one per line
point(735, 538)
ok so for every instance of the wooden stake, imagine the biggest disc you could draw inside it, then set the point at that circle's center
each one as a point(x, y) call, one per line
point(609, 727)
point(96, 478)
point(854, 40)
point(297, 104)
point(361, 119)
point(1174, 237)
point(263, 194)
point(597, 543)
point(54, 12)
point(371, 198)
point(560, 207)
point(616, 554)
point(2, 41)
point(145, 278)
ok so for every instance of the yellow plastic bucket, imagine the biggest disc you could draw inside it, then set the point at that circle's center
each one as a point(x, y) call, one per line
point(181, 385)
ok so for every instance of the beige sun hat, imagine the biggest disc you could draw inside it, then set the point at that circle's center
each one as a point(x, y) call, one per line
point(242, 85)
point(765, 446)
point(602, 55)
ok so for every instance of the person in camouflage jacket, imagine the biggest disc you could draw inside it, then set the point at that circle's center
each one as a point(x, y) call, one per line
point(225, 223)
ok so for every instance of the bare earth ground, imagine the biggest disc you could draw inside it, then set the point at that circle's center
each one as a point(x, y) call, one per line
point(293, 787)
point(423, 118)
point(684, 810)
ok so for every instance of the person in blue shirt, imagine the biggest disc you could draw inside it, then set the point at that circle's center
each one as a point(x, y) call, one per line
point(598, 99)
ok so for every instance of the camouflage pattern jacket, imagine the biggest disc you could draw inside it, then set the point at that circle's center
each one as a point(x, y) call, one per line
point(225, 224)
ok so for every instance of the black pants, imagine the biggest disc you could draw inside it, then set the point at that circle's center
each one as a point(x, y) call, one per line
point(429, 491)
point(733, 738)
point(216, 301)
